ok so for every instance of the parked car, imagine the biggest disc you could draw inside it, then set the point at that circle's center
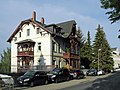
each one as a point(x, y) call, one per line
point(91, 72)
point(77, 74)
point(100, 72)
point(58, 75)
point(6, 79)
point(33, 77)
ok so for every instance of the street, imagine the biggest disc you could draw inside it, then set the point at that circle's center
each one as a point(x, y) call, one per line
point(111, 82)
point(104, 82)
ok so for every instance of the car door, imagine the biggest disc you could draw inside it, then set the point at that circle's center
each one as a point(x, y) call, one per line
point(42, 77)
point(65, 74)
point(60, 75)
point(37, 78)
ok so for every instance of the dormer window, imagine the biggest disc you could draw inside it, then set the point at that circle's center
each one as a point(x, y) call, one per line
point(28, 32)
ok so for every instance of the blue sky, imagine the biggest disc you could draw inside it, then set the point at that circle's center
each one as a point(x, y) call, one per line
point(87, 14)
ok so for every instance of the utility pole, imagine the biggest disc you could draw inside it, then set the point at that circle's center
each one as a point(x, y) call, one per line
point(98, 58)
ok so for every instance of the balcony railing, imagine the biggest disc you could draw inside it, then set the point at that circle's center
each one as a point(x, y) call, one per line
point(71, 55)
point(25, 53)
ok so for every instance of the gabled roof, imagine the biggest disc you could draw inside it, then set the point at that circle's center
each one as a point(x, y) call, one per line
point(67, 27)
point(25, 22)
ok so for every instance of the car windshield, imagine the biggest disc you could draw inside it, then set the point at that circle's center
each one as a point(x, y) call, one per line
point(55, 71)
point(29, 73)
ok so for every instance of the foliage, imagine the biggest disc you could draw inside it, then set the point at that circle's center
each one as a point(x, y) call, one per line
point(5, 63)
point(114, 9)
point(81, 37)
point(86, 52)
point(101, 47)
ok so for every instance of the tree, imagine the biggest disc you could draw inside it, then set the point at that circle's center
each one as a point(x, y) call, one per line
point(114, 7)
point(86, 52)
point(5, 63)
point(102, 51)
point(80, 37)
point(81, 42)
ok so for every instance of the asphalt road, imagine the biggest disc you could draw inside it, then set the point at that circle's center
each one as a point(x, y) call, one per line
point(111, 82)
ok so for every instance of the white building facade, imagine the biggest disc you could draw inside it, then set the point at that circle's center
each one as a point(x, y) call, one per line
point(116, 58)
point(34, 43)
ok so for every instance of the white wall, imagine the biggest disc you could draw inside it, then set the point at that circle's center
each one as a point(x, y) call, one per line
point(45, 40)
point(116, 60)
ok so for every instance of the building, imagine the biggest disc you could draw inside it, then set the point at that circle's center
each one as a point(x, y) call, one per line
point(116, 58)
point(33, 43)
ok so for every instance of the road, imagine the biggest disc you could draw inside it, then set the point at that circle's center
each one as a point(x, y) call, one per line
point(74, 84)
point(111, 82)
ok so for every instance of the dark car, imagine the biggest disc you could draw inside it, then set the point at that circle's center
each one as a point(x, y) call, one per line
point(91, 72)
point(77, 74)
point(32, 78)
point(58, 75)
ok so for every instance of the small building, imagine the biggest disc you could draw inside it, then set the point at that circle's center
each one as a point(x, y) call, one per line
point(33, 43)
point(116, 57)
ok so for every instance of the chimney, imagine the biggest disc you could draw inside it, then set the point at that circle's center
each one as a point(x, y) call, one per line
point(42, 20)
point(34, 16)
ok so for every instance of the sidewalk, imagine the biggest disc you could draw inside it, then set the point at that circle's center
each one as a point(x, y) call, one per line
point(55, 86)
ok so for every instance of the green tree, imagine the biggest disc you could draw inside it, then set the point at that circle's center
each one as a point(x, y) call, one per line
point(86, 52)
point(81, 42)
point(102, 51)
point(81, 37)
point(114, 9)
point(5, 63)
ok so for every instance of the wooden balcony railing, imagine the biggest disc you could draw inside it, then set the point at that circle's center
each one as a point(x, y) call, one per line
point(70, 55)
point(25, 53)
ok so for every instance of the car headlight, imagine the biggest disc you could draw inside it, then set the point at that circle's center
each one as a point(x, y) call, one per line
point(53, 76)
point(26, 80)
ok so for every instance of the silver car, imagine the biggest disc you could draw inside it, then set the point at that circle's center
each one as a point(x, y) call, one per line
point(6, 79)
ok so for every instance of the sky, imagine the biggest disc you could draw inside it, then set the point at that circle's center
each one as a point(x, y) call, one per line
point(87, 14)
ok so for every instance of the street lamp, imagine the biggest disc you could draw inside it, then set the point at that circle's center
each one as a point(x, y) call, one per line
point(98, 59)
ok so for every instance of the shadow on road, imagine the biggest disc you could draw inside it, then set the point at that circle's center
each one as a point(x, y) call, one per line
point(111, 82)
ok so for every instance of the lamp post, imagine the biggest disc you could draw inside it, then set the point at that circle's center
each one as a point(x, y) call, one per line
point(98, 59)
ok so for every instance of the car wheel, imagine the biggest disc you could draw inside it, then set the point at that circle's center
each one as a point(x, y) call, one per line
point(78, 77)
point(46, 82)
point(68, 78)
point(56, 80)
point(31, 84)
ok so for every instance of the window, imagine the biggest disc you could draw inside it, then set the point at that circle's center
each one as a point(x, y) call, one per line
point(15, 38)
point(59, 48)
point(38, 30)
point(54, 47)
point(19, 34)
point(39, 46)
point(28, 32)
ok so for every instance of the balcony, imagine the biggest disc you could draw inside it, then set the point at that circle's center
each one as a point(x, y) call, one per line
point(26, 53)
point(71, 55)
